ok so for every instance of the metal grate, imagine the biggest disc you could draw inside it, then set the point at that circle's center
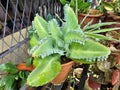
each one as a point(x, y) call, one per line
point(15, 20)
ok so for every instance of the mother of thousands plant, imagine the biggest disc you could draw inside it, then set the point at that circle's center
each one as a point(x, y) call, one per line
point(50, 41)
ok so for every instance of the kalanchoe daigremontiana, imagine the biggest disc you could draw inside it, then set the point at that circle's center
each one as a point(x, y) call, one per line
point(50, 41)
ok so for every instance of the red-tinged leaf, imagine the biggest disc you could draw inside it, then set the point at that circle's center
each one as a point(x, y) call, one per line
point(93, 84)
point(115, 76)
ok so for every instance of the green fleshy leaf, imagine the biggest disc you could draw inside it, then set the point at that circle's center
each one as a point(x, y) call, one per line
point(54, 28)
point(90, 51)
point(46, 71)
point(48, 49)
point(40, 26)
point(71, 22)
point(56, 32)
point(43, 48)
point(75, 36)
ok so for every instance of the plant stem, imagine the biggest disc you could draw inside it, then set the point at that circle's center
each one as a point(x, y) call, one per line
point(83, 77)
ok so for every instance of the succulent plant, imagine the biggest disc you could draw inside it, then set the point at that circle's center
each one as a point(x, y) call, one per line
point(50, 41)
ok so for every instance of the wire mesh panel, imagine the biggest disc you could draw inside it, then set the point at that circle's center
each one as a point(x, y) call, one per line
point(15, 20)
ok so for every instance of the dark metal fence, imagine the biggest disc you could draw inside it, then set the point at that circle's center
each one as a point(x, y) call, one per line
point(15, 20)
